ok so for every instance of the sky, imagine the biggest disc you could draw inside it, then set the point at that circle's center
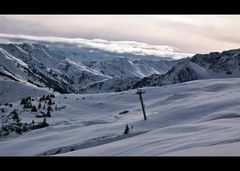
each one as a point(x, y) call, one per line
point(189, 33)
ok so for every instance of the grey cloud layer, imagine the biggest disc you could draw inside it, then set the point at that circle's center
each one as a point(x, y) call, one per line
point(193, 34)
point(130, 47)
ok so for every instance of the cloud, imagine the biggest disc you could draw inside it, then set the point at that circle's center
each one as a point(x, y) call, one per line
point(131, 47)
point(191, 33)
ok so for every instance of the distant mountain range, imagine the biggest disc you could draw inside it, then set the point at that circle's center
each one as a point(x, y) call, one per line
point(200, 66)
point(68, 70)
point(95, 66)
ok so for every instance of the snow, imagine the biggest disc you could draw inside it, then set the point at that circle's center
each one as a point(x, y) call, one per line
point(8, 56)
point(193, 118)
point(230, 149)
point(12, 64)
point(12, 91)
point(124, 67)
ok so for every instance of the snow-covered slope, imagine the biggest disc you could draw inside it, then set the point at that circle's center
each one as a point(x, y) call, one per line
point(201, 114)
point(181, 72)
point(202, 119)
point(110, 85)
point(12, 91)
point(123, 67)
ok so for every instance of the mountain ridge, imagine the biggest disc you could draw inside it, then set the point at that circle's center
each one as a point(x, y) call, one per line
point(45, 66)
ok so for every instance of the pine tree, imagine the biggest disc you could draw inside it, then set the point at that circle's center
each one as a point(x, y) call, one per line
point(39, 106)
point(34, 109)
point(126, 129)
point(48, 97)
point(23, 101)
point(44, 123)
point(56, 108)
point(48, 113)
point(28, 104)
point(49, 108)
point(44, 120)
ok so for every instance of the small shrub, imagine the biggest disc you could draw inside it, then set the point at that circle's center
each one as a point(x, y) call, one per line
point(25, 128)
point(14, 116)
point(228, 72)
point(18, 130)
point(52, 96)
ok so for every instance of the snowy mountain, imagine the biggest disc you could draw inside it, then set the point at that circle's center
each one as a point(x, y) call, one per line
point(200, 66)
point(110, 85)
point(124, 73)
point(198, 117)
point(123, 67)
point(41, 66)
point(68, 69)
point(46, 66)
